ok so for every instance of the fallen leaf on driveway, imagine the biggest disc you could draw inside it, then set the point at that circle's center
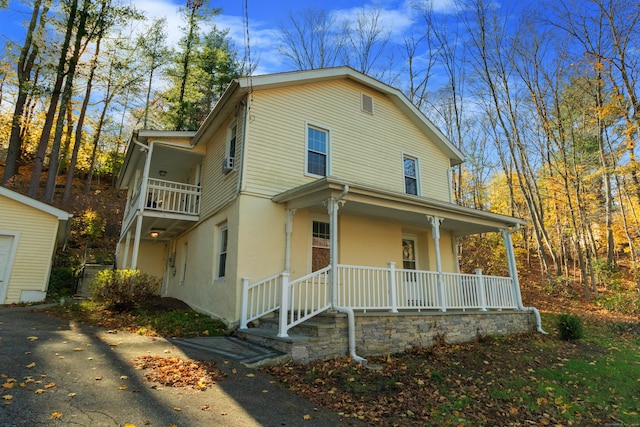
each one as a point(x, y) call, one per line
point(55, 415)
point(40, 391)
point(307, 417)
point(31, 365)
point(50, 385)
point(71, 394)
point(7, 397)
point(32, 338)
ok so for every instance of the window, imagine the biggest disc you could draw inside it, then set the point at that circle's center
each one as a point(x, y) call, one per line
point(408, 253)
point(410, 165)
point(184, 263)
point(317, 151)
point(233, 133)
point(222, 252)
point(320, 245)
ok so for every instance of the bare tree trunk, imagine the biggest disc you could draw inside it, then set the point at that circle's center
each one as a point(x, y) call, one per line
point(38, 163)
point(83, 111)
point(66, 97)
point(28, 55)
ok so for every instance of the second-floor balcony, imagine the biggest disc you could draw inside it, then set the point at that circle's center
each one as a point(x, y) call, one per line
point(157, 197)
point(174, 197)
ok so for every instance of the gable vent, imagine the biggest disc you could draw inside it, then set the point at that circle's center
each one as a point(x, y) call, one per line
point(367, 103)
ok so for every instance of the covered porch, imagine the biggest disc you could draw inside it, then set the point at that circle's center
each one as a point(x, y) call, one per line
point(162, 179)
point(390, 288)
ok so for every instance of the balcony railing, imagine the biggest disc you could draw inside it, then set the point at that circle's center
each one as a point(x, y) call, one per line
point(373, 288)
point(165, 196)
point(174, 197)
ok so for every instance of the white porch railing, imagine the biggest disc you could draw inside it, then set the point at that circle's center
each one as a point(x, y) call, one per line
point(165, 196)
point(373, 288)
point(174, 197)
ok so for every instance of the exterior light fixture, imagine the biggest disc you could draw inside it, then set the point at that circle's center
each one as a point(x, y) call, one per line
point(163, 173)
point(155, 232)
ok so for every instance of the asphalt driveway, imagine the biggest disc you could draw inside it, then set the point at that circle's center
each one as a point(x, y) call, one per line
point(53, 372)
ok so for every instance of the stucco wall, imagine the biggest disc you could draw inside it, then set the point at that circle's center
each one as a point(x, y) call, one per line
point(35, 232)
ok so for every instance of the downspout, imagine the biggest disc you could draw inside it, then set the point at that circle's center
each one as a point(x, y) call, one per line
point(351, 322)
point(243, 145)
point(514, 276)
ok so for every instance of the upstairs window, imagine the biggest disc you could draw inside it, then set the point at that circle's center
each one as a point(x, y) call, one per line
point(410, 165)
point(229, 160)
point(233, 134)
point(317, 151)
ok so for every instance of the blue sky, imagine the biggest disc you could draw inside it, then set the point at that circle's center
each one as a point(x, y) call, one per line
point(265, 16)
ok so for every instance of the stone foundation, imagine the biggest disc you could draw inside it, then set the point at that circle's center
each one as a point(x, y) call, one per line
point(326, 335)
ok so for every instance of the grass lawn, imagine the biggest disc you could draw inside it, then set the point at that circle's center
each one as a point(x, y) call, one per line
point(531, 379)
point(156, 317)
point(518, 380)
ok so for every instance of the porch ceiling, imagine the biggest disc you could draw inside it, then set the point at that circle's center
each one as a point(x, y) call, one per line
point(167, 224)
point(386, 205)
point(176, 158)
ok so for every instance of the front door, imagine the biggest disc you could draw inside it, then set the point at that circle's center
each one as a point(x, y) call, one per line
point(410, 262)
point(6, 245)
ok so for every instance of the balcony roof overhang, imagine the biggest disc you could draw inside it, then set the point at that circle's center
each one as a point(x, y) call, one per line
point(173, 151)
point(402, 208)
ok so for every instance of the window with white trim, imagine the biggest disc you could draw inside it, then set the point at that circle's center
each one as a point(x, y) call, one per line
point(223, 236)
point(320, 245)
point(317, 160)
point(410, 169)
point(229, 161)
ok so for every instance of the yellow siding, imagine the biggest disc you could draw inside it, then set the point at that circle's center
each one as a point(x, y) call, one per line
point(219, 187)
point(36, 243)
point(364, 148)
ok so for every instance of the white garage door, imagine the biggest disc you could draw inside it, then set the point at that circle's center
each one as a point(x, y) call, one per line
point(6, 245)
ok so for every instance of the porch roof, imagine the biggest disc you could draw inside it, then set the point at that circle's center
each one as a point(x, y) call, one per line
point(387, 205)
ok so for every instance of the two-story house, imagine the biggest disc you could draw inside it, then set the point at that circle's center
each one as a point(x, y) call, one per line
point(315, 194)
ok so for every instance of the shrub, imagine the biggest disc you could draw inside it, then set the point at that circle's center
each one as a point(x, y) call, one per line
point(62, 282)
point(621, 302)
point(570, 327)
point(123, 290)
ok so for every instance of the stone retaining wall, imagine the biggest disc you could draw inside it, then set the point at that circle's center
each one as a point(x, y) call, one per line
point(388, 333)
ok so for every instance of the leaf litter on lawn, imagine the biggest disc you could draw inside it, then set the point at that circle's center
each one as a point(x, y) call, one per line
point(490, 381)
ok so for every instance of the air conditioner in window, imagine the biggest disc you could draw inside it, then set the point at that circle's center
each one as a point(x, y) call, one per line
point(227, 164)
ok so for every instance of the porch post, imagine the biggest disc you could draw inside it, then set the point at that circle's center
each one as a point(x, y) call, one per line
point(244, 304)
point(288, 227)
point(333, 204)
point(332, 207)
point(284, 306)
point(142, 200)
point(435, 231)
point(513, 270)
point(136, 243)
point(393, 287)
point(125, 256)
point(480, 288)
